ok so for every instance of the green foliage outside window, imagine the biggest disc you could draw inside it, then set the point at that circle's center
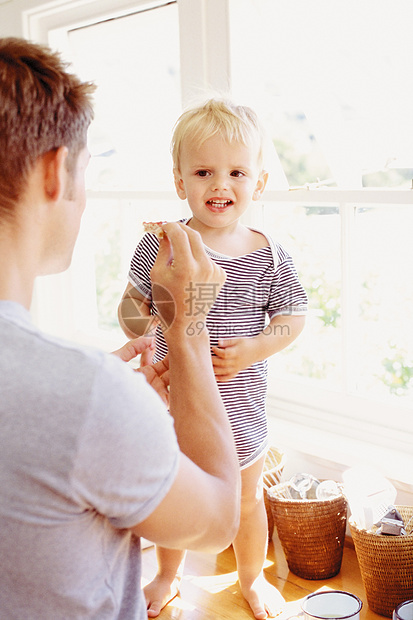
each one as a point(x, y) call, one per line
point(398, 371)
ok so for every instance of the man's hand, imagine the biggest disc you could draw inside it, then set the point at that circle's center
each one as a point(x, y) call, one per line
point(180, 267)
point(146, 357)
point(135, 347)
point(157, 375)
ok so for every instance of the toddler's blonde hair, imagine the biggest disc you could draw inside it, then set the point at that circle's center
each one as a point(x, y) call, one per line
point(217, 117)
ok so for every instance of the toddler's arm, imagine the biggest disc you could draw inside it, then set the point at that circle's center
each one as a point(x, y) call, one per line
point(235, 354)
point(134, 314)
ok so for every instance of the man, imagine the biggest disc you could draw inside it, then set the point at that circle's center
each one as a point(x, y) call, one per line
point(90, 458)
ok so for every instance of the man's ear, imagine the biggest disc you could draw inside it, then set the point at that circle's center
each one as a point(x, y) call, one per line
point(179, 184)
point(55, 173)
point(261, 183)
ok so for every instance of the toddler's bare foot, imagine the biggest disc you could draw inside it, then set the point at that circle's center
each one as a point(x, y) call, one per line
point(263, 598)
point(158, 593)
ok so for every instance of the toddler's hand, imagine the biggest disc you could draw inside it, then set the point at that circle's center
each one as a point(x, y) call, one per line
point(231, 356)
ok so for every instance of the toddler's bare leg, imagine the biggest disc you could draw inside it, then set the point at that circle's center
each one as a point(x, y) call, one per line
point(165, 585)
point(250, 546)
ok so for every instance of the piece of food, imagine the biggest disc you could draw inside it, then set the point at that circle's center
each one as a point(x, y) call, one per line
point(155, 228)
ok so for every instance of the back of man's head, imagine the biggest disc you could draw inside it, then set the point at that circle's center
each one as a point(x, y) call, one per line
point(42, 107)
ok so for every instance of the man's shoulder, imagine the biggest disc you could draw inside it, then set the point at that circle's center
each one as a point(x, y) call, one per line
point(51, 363)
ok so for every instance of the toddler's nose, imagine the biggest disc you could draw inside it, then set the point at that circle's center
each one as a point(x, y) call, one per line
point(220, 182)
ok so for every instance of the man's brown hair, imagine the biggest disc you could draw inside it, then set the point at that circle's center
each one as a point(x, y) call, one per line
point(42, 107)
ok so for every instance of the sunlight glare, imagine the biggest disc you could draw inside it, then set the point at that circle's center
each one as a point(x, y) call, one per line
point(213, 583)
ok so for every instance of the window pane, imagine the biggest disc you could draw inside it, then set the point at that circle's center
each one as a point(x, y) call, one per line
point(137, 101)
point(383, 338)
point(331, 80)
point(109, 234)
point(367, 349)
point(312, 236)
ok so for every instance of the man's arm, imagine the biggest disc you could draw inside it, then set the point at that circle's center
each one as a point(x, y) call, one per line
point(201, 510)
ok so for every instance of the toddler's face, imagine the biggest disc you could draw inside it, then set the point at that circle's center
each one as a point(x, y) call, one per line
point(219, 180)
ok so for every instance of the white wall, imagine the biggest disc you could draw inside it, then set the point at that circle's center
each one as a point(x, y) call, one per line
point(11, 23)
point(16, 14)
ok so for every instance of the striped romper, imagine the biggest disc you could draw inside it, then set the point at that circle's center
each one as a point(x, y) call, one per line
point(259, 285)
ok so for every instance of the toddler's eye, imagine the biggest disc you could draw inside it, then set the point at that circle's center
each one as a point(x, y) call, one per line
point(202, 173)
point(237, 173)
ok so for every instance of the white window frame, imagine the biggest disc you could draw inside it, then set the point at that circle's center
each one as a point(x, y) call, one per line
point(310, 427)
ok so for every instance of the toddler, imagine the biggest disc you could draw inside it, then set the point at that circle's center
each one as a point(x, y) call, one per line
point(217, 151)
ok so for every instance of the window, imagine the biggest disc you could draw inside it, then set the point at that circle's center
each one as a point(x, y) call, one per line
point(136, 102)
point(147, 57)
point(330, 81)
point(129, 178)
point(340, 160)
point(354, 358)
point(374, 356)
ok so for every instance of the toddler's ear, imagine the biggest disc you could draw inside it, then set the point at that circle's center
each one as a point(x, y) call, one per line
point(261, 183)
point(179, 184)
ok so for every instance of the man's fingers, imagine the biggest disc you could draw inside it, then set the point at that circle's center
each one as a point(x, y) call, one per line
point(157, 375)
point(187, 252)
point(181, 267)
point(196, 244)
point(133, 348)
point(174, 248)
point(162, 367)
point(158, 383)
point(165, 255)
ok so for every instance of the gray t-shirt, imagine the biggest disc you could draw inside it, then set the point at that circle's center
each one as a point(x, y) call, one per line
point(87, 449)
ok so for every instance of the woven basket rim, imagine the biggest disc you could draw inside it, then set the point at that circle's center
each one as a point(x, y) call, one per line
point(373, 534)
point(287, 500)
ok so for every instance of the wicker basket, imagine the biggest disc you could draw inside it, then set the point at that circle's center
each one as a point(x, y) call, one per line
point(386, 565)
point(311, 532)
point(273, 469)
